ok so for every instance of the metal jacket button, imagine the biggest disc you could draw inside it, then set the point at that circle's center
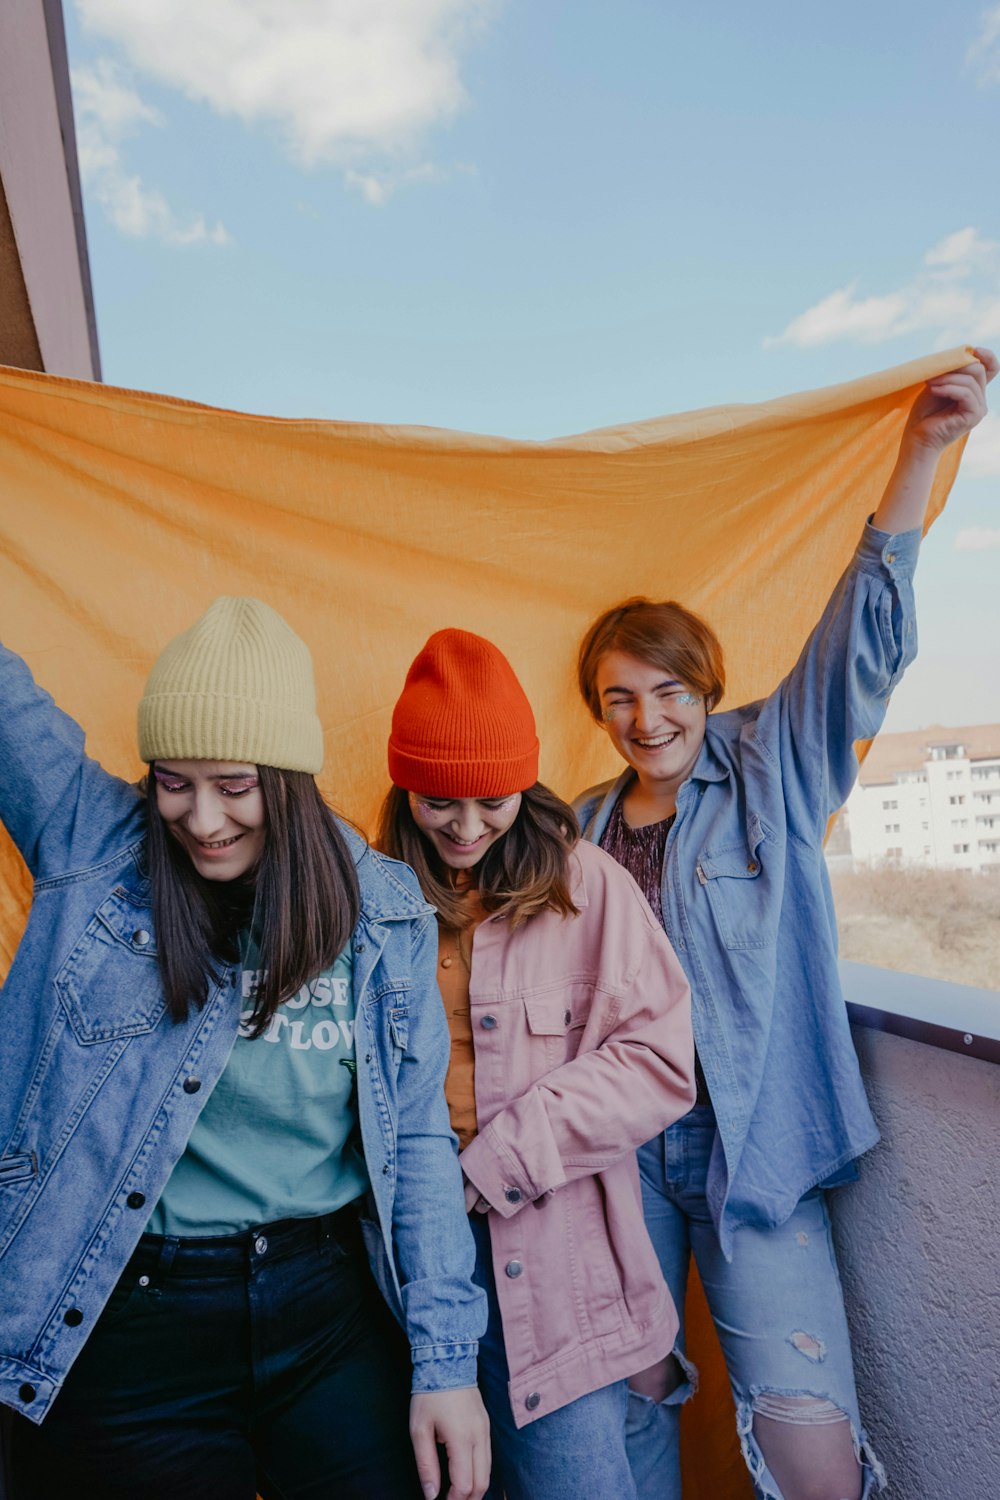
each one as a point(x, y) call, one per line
point(73, 1316)
point(752, 867)
point(260, 1244)
point(140, 938)
point(488, 1023)
point(135, 1200)
point(513, 1195)
point(192, 1085)
point(532, 1401)
point(513, 1269)
point(27, 1393)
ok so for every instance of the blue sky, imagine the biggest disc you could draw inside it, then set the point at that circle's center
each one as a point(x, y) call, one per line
point(534, 217)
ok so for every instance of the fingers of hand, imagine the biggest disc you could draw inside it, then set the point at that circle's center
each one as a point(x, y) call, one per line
point(989, 361)
point(425, 1453)
point(963, 390)
point(469, 1460)
point(474, 1484)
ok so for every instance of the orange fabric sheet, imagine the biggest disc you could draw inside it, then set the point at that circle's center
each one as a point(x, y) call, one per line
point(123, 514)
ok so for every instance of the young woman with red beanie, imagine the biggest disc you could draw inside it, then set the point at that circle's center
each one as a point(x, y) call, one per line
point(571, 1045)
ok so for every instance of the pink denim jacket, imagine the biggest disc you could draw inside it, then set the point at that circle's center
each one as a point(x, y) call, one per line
point(582, 1034)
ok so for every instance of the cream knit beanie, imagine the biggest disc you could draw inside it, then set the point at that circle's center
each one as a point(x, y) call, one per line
point(237, 686)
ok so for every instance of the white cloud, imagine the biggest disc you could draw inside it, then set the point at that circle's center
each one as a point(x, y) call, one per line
point(977, 539)
point(982, 456)
point(107, 110)
point(376, 187)
point(953, 296)
point(984, 54)
point(348, 83)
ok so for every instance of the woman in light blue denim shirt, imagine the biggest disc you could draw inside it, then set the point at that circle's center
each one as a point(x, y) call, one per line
point(223, 1013)
point(721, 818)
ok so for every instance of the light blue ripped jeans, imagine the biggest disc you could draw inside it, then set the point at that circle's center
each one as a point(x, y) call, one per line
point(778, 1309)
point(573, 1453)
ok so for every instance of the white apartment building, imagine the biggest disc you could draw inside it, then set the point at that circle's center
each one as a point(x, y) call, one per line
point(929, 797)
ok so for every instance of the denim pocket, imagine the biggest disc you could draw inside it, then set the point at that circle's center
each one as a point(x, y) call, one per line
point(739, 882)
point(399, 1026)
point(110, 983)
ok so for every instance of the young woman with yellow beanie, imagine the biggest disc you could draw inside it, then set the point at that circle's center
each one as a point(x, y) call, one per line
point(571, 1045)
point(223, 1062)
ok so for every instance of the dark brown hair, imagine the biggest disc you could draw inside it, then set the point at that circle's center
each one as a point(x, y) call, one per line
point(300, 903)
point(524, 872)
point(667, 635)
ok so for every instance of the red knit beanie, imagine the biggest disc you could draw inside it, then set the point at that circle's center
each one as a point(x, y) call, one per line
point(462, 726)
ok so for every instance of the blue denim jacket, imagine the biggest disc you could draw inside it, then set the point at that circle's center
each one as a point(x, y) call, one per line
point(747, 902)
point(101, 1089)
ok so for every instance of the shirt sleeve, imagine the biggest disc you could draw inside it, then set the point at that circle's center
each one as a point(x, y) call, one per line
point(838, 691)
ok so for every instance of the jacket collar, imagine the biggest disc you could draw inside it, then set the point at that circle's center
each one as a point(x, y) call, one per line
point(384, 895)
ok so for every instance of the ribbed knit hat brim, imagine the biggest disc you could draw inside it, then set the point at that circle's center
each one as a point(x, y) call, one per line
point(462, 726)
point(237, 686)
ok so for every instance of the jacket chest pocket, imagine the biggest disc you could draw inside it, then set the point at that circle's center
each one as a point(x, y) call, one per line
point(399, 1026)
point(110, 985)
point(742, 883)
point(388, 1014)
point(557, 1022)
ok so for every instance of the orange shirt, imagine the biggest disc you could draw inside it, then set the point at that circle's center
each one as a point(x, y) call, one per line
point(454, 973)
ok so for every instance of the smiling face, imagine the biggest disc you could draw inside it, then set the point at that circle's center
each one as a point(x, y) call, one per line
point(462, 829)
point(653, 720)
point(215, 811)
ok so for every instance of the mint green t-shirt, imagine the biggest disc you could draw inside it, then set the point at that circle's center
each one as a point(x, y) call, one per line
point(277, 1138)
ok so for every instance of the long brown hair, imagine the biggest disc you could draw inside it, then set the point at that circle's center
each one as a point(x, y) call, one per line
point(524, 872)
point(300, 904)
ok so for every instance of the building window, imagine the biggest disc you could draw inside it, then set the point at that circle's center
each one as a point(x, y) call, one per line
point(960, 848)
point(956, 801)
point(887, 806)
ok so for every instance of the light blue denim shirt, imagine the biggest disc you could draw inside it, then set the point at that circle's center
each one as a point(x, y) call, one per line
point(101, 1089)
point(747, 902)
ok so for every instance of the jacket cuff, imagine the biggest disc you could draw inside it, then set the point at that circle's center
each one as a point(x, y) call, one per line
point(505, 1188)
point(444, 1367)
point(888, 552)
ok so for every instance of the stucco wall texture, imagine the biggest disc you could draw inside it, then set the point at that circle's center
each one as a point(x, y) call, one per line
point(917, 1239)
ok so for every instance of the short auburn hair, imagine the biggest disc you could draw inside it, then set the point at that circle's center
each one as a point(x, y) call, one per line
point(666, 635)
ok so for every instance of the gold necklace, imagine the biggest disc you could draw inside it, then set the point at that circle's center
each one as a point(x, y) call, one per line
point(459, 953)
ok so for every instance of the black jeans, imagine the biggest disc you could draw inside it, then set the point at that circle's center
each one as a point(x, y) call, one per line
point(265, 1361)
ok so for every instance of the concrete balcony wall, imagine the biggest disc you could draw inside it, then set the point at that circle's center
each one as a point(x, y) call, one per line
point(917, 1239)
